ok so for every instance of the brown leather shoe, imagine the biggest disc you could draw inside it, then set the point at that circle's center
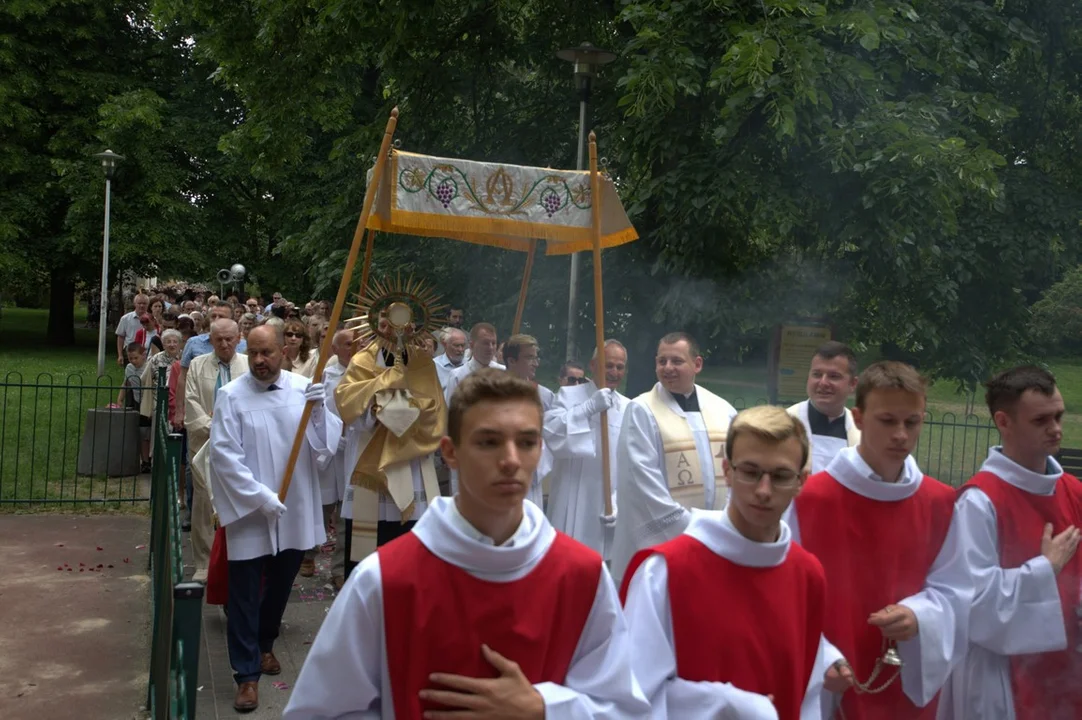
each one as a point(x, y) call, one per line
point(269, 665)
point(308, 567)
point(247, 698)
point(338, 581)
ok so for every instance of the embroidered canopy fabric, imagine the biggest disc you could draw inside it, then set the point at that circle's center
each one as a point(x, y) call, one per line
point(491, 204)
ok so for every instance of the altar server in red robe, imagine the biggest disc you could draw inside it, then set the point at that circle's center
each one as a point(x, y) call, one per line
point(893, 555)
point(727, 618)
point(1022, 514)
point(483, 609)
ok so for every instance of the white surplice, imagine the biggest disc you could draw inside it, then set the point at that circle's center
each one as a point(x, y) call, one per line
point(345, 674)
point(825, 447)
point(1015, 611)
point(942, 607)
point(576, 499)
point(332, 480)
point(648, 515)
point(250, 440)
point(649, 618)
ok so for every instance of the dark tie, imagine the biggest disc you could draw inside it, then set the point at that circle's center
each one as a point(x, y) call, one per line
point(687, 404)
point(272, 386)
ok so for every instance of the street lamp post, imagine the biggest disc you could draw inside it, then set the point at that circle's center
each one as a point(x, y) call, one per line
point(586, 59)
point(109, 161)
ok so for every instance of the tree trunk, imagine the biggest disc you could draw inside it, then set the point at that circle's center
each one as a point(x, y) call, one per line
point(61, 328)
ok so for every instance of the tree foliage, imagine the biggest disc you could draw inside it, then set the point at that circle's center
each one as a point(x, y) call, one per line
point(907, 169)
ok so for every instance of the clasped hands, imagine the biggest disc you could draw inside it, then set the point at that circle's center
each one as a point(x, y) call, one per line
point(510, 696)
point(896, 622)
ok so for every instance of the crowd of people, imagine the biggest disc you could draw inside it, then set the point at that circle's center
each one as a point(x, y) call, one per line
point(769, 563)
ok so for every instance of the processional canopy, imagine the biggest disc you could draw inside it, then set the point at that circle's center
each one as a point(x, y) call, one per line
point(504, 206)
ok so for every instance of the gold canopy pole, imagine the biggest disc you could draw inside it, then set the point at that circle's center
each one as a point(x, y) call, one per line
point(599, 315)
point(343, 290)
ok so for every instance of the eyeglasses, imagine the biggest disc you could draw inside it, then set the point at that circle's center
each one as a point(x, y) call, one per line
point(293, 334)
point(576, 380)
point(780, 479)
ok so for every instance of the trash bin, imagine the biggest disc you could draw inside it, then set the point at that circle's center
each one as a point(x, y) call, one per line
point(110, 443)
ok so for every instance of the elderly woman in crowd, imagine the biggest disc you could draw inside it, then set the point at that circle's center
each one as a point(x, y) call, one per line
point(238, 312)
point(247, 322)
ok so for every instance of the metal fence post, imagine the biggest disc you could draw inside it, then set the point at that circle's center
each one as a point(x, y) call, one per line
point(187, 629)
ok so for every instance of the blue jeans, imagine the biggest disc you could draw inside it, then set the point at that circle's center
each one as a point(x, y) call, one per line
point(258, 592)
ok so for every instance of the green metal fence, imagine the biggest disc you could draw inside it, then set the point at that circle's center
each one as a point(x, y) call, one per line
point(177, 605)
point(952, 448)
point(47, 423)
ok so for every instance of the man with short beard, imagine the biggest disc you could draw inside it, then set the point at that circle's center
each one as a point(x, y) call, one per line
point(255, 418)
point(454, 351)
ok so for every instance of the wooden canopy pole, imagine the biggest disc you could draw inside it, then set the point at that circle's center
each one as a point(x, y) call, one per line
point(525, 286)
point(343, 290)
point(599, 315)
point(367, 261)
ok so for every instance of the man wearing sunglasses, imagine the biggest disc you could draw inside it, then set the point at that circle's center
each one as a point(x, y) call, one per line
point(572, 433)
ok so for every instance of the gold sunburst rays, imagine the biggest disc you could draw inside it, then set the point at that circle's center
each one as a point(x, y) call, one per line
point(421, 321)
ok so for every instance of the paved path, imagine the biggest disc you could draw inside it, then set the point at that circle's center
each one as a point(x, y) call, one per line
point(75, 609)
point(307, 607)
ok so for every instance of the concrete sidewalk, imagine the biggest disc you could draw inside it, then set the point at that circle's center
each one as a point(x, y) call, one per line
point(75, 604)
point(309, 603)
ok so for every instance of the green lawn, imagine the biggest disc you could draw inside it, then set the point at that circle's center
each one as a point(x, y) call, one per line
point(44, 395)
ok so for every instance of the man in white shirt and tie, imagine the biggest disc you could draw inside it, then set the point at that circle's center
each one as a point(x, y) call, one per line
point(206, 376)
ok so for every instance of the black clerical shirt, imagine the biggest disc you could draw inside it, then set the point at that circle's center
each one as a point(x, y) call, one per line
point(822, 425)
point(689, 403)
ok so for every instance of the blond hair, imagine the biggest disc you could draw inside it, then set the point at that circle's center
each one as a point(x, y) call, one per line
point(770, 423)
point(889, 375)
point(487, 384)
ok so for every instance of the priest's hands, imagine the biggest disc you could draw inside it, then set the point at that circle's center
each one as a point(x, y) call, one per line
point(608, 521)
point(897, 622)
point(1059, 549)
point(602, 400)
point(839, 677)
point(511, 696)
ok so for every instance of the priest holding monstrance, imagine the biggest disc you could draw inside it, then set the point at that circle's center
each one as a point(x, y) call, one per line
point(392, 404)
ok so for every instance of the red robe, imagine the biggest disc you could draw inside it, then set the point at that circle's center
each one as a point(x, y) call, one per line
point(757, 628)
point(1044, 685)
point(874, 553)
point(436, 617)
